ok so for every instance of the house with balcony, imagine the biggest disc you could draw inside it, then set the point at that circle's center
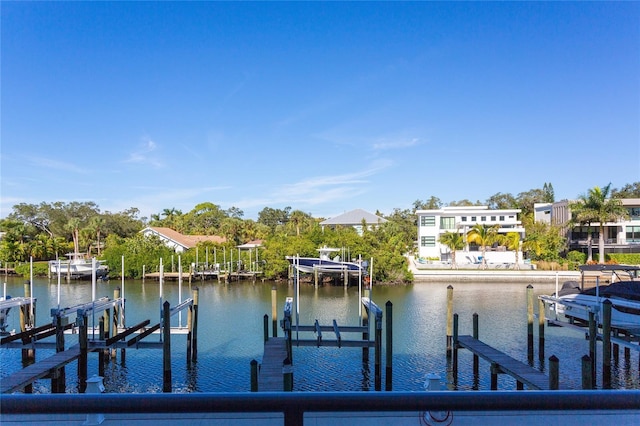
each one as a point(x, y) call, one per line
point(433, 223)
point(620, 237)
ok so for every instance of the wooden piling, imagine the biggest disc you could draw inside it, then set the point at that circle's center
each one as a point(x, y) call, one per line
point(449, 320)
point(265, 327)
point(389, 346)
point(455, 348)
point(365, 323)
point(530, 323)
point(59, 385)
point(495, 369)
point(587, 376)
point(541, 321)
point(593, 336)
point(116, 315)
point(101, 351)
point(166, 347)
point(554, 373)
point(606, 344)
point(83, 343)
point(378, 354)
point(274, 310)
point(476, 334)
point(287, 375)
point(194, 337)
point(254, 375)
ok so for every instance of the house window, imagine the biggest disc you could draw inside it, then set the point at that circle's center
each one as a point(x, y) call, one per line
point(493, 218)
point(633, 234)
point(427, 221)
point(428, 241)
point(447, 223)
point(474, 219)
point(483, 218)
point(463, 218)
point(501, 218)
point(634, 213)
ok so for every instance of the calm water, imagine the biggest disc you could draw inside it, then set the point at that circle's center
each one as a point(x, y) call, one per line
point(230, 335)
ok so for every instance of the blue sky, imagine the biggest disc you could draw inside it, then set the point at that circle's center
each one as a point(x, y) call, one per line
point(324, 107)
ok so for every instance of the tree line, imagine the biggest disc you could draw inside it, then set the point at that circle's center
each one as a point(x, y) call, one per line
point(47, 231)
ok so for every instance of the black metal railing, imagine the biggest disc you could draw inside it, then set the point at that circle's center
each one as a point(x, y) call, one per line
point(293, 405)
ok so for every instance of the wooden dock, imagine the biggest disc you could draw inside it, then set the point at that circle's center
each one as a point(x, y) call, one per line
point(270, 377)
point(38, 370)
point(523, 373)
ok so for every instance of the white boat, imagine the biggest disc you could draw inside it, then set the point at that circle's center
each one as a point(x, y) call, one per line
point(4, 313)
point(574, 303)
point(77, 266)
point(327, 265)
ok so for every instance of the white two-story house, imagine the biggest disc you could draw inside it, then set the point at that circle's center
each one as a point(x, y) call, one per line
point(433, 223)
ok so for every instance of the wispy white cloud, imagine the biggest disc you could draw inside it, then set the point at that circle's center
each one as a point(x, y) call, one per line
point(145, 154)
point(57, 165)
point(319, 190)
point(385, 145)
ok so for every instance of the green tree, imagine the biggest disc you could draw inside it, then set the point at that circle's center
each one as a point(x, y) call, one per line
point(454, 241)
point(433, 203)
point(630, 190)
point(598, 206)
point(274, 217)
point(483, 235)
point(502, 201)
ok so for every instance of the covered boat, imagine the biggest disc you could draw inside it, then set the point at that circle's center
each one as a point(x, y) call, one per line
point(325, 264)
point(574, 303)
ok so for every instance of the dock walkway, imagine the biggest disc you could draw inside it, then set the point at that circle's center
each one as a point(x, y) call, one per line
point(270, 377)
point(523, 373)
point(38, 370)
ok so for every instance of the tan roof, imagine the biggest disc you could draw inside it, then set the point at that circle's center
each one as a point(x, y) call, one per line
point(188, 241)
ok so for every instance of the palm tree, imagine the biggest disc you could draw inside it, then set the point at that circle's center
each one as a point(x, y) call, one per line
point(454, 241)
point(512, 241)
point(73, 225)
point(483, 236)
point(97, 224)
point(598, 206)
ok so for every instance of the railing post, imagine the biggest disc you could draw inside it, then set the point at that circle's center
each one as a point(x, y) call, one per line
point(554, 373)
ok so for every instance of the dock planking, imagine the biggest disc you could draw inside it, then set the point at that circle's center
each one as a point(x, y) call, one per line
point(523, 373)
point(39, 370)
point(270, 377)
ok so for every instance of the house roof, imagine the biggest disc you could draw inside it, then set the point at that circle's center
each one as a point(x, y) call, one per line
point(251, 244)
point(187, 241)
point(353, 218)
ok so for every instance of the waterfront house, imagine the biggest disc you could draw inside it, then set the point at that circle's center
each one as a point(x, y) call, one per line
point(433, 223)
point(177, 241)
point(620, 237)
point(354, 218)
